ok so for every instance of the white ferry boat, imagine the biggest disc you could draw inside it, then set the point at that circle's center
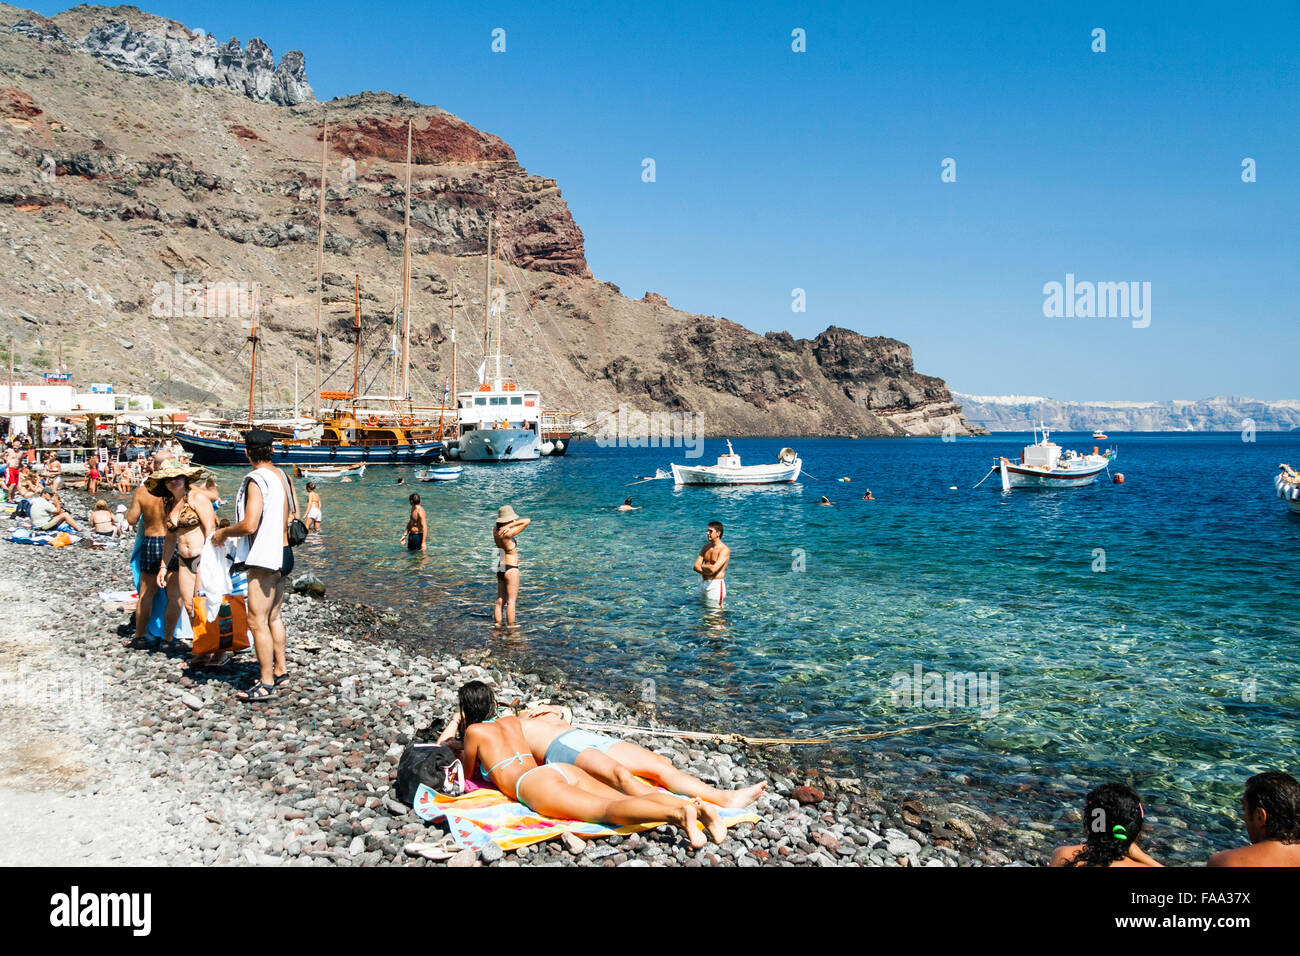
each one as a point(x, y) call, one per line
point(498, 422)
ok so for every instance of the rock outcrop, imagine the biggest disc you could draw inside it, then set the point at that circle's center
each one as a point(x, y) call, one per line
point(168, 50)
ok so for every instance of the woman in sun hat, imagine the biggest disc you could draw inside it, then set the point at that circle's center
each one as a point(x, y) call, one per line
point(190, 522)
point(507, 527)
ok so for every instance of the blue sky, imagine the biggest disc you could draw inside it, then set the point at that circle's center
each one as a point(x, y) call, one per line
point(820, 170)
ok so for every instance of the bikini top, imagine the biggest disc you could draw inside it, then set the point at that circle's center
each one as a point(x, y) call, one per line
point(486, 775)
point(189, 519)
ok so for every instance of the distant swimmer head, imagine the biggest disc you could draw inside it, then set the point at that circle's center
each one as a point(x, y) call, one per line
point(1112, 820)
point(825, 500)
point(627, 501)
point(477, 704)
point(1272, 807)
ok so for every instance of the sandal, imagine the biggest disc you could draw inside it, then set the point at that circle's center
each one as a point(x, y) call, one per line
point(282, 679)
point(257, 693)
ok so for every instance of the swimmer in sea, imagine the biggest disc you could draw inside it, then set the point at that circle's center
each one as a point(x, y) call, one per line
point(417, 526)
point(868, 496)
point(711, 566)
point(825, 501)
point(627, 505)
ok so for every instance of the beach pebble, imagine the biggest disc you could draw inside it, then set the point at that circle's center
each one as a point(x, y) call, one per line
point(808, 795)
point(491, 852)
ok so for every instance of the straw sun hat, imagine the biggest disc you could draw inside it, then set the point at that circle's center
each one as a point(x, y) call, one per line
point(156, 482)
point(506, 514)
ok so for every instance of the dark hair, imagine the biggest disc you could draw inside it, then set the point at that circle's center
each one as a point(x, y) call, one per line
point(259, 452)
point(414, 499)
point(627, 501)
point(477, 704)
point(311, 486)
point(718, 525)
point(1278, 795)
point(1112, 819)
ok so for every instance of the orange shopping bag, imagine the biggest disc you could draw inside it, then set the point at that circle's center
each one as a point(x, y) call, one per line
point(228, 632)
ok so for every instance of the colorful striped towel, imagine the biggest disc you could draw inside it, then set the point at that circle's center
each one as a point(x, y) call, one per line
point(488, 815)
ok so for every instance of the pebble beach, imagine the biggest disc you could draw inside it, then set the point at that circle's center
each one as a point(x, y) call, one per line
point(117, 756)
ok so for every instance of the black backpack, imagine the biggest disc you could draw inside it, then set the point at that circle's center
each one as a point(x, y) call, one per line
point(23, 509)
point(422, 764)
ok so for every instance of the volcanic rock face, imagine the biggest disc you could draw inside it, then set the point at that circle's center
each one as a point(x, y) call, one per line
point(123, 191)
point(168, 50)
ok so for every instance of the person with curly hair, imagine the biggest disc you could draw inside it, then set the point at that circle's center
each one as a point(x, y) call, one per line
point(1112, 819)
point(1271, 809)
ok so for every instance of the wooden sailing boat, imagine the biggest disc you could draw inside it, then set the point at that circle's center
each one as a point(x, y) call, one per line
point(353, 434)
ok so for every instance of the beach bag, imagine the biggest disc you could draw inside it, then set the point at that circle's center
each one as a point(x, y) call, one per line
point(297, 530)
point(23, 509)
point(227, 631)
point(422, 764)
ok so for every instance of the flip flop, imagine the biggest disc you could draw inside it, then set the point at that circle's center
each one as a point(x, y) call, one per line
point(256, 694)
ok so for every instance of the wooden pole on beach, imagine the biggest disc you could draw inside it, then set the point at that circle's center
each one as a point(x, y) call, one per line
point(320, 263)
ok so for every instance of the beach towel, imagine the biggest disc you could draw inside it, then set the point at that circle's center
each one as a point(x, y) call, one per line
point(488, 815)
point(24, 536)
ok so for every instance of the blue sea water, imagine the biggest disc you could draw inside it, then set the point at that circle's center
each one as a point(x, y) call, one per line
point(1146, 632)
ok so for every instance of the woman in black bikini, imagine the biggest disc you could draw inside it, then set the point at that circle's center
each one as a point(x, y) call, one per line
point(190, 521)
point(504, 532)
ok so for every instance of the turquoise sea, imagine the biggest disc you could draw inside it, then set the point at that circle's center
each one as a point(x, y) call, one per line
point(1147, 632)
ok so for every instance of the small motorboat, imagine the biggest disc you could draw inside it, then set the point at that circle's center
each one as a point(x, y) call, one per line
point(324, 472)
point(1098, 435)
point(1287, 483)
point(729, 471)
point(1045, 465)
point(440, 473)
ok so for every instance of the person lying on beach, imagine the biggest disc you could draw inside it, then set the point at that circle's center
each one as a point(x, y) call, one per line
point(493, 749)
point(619, 763)
point(1112, 818)
point(1271, 809)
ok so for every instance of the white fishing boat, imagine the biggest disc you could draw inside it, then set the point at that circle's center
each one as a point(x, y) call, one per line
point(440, 473)
point(1098, 435)
point(327, 472)
point(1287, 483)
point(1044, 464)
point(729, 471)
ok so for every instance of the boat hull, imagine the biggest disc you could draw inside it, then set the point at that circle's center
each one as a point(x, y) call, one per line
point(500, 444)
point(745, 475)
point(440, 474)
point(325, 474)
point(1289, 493)
point(1018, 476)
point(220, 451)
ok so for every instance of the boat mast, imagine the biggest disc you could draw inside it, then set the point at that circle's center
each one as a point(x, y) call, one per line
point(252, 367)
point(496, 303)
point(320, 263)
point(406, 274)
point(295, 388)
point(356, 327)
point(487, 291)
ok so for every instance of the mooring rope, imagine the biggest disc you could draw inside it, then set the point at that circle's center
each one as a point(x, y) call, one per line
point(734, 738)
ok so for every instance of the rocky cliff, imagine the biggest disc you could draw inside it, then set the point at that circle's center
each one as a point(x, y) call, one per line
point(148, 175)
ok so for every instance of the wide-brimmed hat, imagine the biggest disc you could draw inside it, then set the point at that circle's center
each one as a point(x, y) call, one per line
point(168, 470)
point(506, 514)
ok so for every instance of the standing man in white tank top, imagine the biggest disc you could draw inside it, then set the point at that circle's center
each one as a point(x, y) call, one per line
point(263, 512)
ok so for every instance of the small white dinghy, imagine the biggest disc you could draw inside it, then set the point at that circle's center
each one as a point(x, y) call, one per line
point(1287, 483)
point(440, 473)
point(729, 471)
point(319, 472)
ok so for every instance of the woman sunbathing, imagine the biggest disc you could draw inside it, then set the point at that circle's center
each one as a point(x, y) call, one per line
point(619, 763)
point(495, 750)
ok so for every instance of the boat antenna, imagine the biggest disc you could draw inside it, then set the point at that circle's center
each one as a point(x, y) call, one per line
point(487, 288)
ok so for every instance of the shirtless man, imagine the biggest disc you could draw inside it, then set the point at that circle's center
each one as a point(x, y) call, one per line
point(12, 457)
point(711, 565)
point(1271, 809)
point(417, 527)
point(150, 508)
point(628, 506)
point(618, 763)
point(313, 507)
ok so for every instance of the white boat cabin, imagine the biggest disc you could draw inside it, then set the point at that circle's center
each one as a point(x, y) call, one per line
point(501, 404)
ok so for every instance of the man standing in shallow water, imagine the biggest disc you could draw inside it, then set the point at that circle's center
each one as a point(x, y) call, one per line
point(711, 565)
point(417, 527)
